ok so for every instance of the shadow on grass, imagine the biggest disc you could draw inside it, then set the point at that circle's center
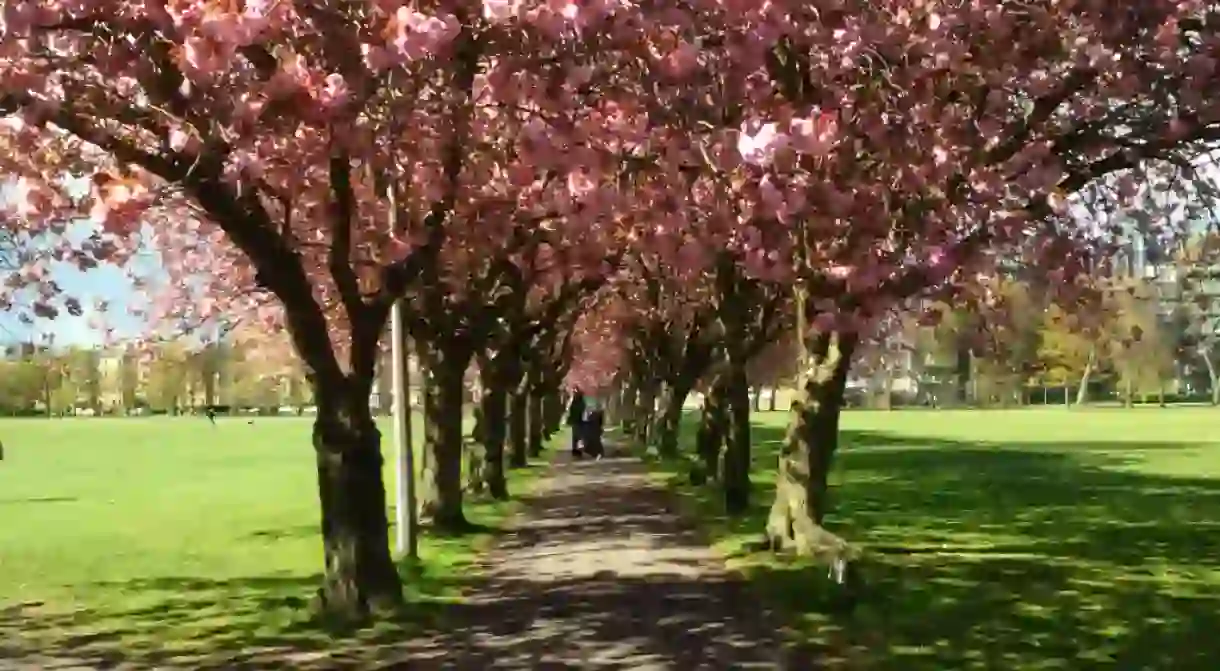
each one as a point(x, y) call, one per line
point(37, 500)
point(999, 556)
point(259, 621)
point(606, 575)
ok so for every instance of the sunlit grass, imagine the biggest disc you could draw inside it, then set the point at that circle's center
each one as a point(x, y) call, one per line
point(174, 536)
point(1031, 539)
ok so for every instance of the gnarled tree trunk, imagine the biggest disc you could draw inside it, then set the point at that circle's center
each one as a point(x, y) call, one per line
point(534, 423)
point(552, 409)
point(494, 405)
point(646, 409)
point(441, 490)
point(712, 424)
point(475, 455)
point(801, 496)
point(735, 475)
point(669, 419)
point(518, 427)
point(360, 574)
point(629, 405)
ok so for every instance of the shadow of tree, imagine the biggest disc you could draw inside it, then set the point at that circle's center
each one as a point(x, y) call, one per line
point(37, 499)
point(609, 577)
point(221, 623)
point(1011, 555)
point(239, 621)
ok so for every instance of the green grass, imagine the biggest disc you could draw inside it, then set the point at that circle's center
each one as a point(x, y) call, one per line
point(166, 536)
point(1025, 539)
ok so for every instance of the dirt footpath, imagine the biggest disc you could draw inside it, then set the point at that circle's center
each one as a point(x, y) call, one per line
point(599, 573)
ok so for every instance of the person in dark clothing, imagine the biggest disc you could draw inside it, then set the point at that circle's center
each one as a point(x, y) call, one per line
point(211, 414)
point(576, 420)
point(595, 422)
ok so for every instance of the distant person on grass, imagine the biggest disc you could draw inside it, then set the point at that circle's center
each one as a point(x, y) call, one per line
point(576, 420)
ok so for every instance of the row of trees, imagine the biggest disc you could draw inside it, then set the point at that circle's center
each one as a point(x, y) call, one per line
point(648, 194)
point(162, 377)
point(1143, 338)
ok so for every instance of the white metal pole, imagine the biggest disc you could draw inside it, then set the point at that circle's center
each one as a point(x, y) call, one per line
point(406, 540)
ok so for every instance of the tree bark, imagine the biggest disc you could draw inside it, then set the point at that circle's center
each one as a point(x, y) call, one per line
point(552, 411)
point(1213, 377)
point(441, 490)
point(474, 454)
point(669, 419)
point(518, 435)
point(534, 422)
point(494, 406)
point(963, 373)
point(735, 475)
point(646, 410)
point(360, 575)
point(801, 487)
point(1082, 394)
point(629, 406)
point(712, 425)
point(614, 405)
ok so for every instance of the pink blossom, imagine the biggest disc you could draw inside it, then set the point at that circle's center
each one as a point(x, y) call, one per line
point(760, 147)
point(501, 10)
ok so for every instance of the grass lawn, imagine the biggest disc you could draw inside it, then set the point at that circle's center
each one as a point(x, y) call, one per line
point(169, 537)
point(1024, 539)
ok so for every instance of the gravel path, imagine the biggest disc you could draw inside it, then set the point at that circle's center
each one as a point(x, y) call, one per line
point(599, 573)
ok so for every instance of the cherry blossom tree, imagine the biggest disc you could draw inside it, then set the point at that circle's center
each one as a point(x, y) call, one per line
point(302, 164)
point(907, 153)
point(899, 153)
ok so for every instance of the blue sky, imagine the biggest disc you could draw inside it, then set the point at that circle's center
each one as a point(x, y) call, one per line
point(104, 283)
point(107, 282)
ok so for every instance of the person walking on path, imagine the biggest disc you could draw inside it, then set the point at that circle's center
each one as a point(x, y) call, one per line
point(595, 420)
point(576, 420)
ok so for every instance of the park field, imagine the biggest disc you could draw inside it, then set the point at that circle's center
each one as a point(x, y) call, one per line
point(1023, 539)
point(163, 536)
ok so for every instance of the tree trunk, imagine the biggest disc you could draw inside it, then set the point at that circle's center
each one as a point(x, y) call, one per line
point(1213, 377)
point(535, 423)
point(646, 410)
point(494, 405)
point(669, 419)
point(801, 496)
point(441, 490)
point(474, 454)
point(613, 405)
point(629, 406)
point(735, 474)
point(962, 374)
point(360, 575)
point(1082, 394)
point(552, 409)
point(712, 425)
point(518, 435)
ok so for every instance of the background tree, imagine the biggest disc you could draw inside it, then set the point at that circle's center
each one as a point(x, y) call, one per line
point(1141, 350)
point(166, 385)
